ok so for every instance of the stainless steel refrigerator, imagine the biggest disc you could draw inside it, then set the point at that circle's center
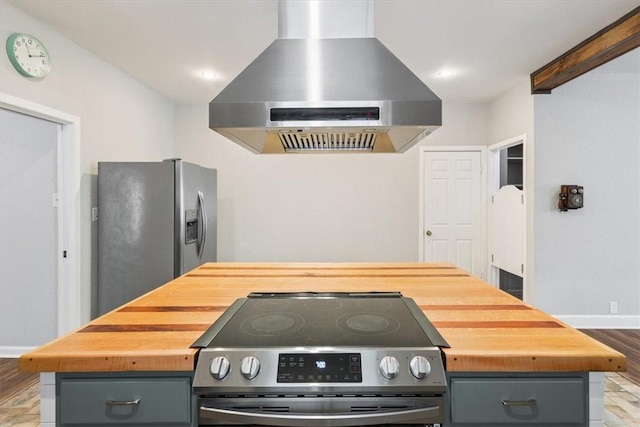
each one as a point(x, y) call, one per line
point(156, 221)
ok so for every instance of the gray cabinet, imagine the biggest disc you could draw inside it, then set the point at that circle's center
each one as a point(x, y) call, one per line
point(518, 399)
point(124, 399)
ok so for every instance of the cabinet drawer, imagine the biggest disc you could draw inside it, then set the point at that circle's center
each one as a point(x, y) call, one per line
point(518, 400)
point(124, 401)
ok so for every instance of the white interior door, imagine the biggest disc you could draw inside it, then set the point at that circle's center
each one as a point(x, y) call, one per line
point(453, 209)
point(507, 242)
point(506, 228)
point(28, 224)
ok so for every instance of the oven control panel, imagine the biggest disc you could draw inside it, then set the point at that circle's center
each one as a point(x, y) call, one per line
point(294, 368)
point(319, 367)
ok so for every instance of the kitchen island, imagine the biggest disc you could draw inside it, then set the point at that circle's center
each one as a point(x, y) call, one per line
point(496, 340)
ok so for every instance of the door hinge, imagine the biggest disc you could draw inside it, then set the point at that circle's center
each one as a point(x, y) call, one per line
point(522, 198)
point(522, 268)
point(54, 200)
point(492, 202)
point(491, 257)
point(64, 254)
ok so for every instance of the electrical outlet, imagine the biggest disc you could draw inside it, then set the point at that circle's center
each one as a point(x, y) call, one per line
point(613, 307)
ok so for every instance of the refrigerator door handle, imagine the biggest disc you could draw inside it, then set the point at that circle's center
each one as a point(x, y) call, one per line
point(203, 213)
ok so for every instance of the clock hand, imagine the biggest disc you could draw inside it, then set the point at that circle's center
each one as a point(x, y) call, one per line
point(33, 56)
point(29, 52)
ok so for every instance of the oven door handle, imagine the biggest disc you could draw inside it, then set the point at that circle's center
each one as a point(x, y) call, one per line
point(319, 420)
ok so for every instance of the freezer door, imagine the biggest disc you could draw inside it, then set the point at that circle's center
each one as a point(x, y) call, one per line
point(197, 211)
point(136, 203)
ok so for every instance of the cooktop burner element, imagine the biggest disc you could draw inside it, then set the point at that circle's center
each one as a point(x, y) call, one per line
point(272, 324)
point(321, 358)
point(368, 324)
point(272, 304)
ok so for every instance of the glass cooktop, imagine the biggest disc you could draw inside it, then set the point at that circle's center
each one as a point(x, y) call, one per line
point(322, 320)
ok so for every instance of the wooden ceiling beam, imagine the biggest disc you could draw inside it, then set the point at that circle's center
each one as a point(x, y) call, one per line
point(607, 44)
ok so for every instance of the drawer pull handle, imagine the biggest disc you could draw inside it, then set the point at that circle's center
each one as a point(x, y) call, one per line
point(530, 402)
point(122, 402)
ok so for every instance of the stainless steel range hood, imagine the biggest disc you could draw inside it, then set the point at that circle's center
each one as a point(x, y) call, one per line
point(306, 93)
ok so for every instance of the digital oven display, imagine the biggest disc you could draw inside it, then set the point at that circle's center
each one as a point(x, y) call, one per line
point(320, 367)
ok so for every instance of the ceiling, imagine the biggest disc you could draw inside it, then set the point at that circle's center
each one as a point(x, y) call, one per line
point(489, 45)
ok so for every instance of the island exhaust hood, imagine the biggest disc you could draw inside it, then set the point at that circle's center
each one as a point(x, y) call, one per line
point(326, 85)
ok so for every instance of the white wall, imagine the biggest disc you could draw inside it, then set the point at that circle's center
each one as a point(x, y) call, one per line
point(315, 207)
point(511, 115)
point(588, 133)
point(120, 118)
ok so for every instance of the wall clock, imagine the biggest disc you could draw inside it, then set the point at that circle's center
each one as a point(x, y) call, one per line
point(28, 55)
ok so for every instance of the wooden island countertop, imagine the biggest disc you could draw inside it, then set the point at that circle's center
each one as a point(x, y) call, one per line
point(487, 329)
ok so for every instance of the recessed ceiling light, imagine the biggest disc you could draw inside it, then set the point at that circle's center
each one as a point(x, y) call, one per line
point(445, 73)
point(208, 75)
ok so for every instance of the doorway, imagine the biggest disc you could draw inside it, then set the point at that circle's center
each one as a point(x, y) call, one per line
point(452, 207)
point(507, 215)
point(68, 294)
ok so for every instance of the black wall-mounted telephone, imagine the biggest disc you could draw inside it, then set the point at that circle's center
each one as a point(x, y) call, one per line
point(571, 197)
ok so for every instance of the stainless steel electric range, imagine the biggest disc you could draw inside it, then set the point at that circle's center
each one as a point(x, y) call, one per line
point(321, 359)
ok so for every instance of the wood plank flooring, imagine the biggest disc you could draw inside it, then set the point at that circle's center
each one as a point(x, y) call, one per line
point(627, 342)
point(12, 380)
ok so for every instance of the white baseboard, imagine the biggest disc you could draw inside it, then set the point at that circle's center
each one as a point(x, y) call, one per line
point(13, 352)
point(600, 322)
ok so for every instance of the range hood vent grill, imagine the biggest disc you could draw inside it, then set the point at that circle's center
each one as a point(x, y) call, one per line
point(323, 141)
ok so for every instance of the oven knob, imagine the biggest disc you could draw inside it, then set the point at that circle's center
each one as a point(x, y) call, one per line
point(220, 367)
point(250, 367)
point(389, 367)
point(420, 367)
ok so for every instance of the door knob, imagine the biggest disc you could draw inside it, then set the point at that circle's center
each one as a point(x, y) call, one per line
point(428, 233)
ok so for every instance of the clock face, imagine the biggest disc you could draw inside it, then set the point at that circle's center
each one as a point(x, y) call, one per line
point(28, 55)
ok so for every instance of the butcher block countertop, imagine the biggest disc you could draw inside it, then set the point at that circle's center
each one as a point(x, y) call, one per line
point(487, 329)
